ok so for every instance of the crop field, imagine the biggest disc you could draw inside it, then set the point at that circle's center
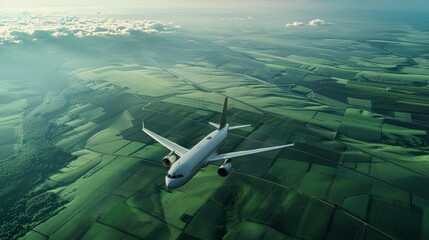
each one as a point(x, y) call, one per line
point(156, 82)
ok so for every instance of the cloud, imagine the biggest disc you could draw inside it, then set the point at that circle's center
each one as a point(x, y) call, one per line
point(294, 24)
point(316, 22)
point(235, 19)
point(313, 23)
point(27, 27)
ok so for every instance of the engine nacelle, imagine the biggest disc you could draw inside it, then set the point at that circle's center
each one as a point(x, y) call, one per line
point(169, 159)
point(225, 169)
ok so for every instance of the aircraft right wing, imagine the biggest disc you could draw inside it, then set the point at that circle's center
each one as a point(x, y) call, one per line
point(231, 155)
point(172, 146)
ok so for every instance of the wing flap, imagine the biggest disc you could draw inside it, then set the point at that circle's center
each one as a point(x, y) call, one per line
point(172, 146)
point(247, 152)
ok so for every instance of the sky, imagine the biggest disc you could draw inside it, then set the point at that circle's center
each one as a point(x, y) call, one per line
point(320, 4)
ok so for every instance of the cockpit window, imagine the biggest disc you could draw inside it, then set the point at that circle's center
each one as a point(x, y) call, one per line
point(174, 176)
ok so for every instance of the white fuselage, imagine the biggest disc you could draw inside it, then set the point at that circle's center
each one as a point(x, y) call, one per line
point(196, 158)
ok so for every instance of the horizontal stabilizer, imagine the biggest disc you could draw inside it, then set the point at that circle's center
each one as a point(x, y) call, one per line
point(214, 125)
point(237, 127)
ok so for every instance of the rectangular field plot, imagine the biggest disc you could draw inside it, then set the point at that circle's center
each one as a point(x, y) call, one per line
point(200, 104)
point(192, 196)
point(390, 193)
point(295, 209)
point(355, 157)
point(361, 125)
point(104, 136)
point(76, 227)
point(110, 147)
point(211, 78)
point(402, 178)
point(253, 230)
point(73, 174)
point(130, 148)
point(138, 223)
point(316, 184)
point(152, 82)
point(209, 101)
point(153, 152)
point(328, 121)
point(288, 172)
point(100, 232)
point(104, 206)
point(358, 205)
point(345, 187)
point(364, 103)
point(344, 227)
point(145, 180)
point(404, 223)
point(205, 227)
point(92, 114)
point(397, 135)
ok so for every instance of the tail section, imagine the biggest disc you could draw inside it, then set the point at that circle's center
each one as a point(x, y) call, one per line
point(223, 122)
point(224, 113)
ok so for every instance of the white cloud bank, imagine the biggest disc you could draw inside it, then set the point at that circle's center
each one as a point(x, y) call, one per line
point(15, 29)
point(316, 22)
point(295, 24)
point(313, 23)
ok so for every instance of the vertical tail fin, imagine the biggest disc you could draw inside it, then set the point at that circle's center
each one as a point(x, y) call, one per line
point(224, 113)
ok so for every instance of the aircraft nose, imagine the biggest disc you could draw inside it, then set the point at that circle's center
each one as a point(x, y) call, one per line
point(169, 182)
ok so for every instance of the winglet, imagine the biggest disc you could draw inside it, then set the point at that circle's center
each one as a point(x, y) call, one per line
point(142, 125)
point(224, 113)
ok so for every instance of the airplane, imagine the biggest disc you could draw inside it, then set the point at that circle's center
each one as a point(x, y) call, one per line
point(185, 163)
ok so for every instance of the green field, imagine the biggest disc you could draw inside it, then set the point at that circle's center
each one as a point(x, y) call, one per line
point(74, 163)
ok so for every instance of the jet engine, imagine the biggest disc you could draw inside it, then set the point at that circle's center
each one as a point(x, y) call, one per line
point(169, 159)
point(225, 169)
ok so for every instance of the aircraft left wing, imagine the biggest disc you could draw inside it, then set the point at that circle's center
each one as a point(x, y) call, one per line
point(172, 146)
point(247, 152)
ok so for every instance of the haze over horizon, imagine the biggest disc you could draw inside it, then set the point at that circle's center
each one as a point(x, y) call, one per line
point(420, 5)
